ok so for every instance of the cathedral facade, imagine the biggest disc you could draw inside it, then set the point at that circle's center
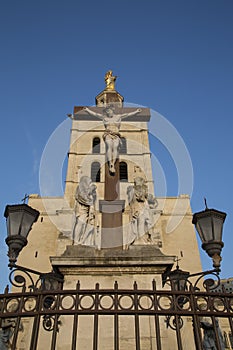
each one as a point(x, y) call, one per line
point(110, 225)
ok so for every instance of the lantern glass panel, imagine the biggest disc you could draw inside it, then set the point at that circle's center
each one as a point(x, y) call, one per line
point(27, 222)
point(204, 228)
point(218, 225)
point(13, 222)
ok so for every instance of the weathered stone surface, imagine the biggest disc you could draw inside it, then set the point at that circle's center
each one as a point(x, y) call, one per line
point(137, 259)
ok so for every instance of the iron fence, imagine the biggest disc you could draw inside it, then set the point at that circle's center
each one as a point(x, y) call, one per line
point(119, 319)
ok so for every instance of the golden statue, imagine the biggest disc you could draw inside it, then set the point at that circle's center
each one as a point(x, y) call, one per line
point(110, 80)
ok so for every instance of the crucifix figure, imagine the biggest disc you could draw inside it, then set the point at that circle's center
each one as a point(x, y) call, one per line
point(112, 137)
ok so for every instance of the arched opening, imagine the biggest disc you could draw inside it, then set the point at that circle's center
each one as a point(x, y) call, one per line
point(96, 145)
point(123, 147)
point(95, 172)
point(123, 172)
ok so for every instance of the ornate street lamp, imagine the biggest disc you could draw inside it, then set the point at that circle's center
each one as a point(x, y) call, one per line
point(178, 278)
point(209, 224)
point(19, 218)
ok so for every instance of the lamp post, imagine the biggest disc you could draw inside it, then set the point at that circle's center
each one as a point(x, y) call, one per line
point(209, 225)
point(19, 219)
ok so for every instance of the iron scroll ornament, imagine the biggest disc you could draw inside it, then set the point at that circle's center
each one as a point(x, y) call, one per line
point(182, 282)
point(22, 277)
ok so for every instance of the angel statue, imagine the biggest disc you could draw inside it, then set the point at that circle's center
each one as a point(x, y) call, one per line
point(112, 137)
point(85, 198)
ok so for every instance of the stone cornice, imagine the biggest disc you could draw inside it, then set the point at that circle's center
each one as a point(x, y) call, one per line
point(146, 259)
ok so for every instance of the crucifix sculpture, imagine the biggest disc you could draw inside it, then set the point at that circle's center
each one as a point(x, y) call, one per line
point(110, 110)
point(112, 137)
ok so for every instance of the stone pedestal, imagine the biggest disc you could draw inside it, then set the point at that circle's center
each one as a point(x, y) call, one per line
point(88, 266)
point(136, 261)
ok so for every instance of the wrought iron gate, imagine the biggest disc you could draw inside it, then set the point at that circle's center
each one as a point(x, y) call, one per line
point(119, 319)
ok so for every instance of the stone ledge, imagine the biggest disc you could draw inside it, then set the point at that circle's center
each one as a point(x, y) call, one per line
point(137, 259)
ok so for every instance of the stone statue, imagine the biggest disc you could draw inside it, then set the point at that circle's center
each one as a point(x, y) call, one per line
point(209, 342)
point(142, 209)
point(85, 198)
point(6, 332)
point(110, 80)
point(209, 339)
point(112, 137)
point(7, 328)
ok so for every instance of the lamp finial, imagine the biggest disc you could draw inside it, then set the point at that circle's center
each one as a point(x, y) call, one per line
point(205, 201)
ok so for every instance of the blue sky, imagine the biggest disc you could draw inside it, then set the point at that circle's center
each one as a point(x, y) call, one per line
point(175, 57)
